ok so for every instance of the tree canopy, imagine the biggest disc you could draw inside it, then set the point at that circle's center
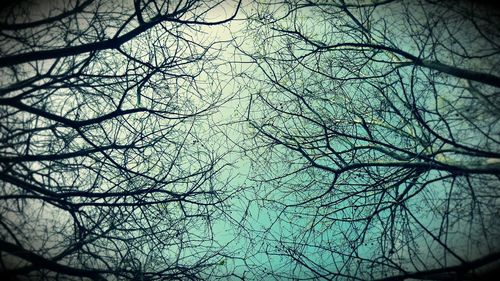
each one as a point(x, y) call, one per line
point(249, 140)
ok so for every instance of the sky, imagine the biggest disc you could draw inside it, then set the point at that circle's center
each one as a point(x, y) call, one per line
point(287, 207)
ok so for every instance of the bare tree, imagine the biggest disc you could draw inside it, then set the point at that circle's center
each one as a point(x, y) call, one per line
point(370, 130)
point(104, 166)
point(375, 139)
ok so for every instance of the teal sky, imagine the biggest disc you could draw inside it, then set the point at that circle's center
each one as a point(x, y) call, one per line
point(342, 142)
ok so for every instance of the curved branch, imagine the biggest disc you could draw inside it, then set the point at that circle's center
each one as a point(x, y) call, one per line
point(112, 43)
point(47, 263)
